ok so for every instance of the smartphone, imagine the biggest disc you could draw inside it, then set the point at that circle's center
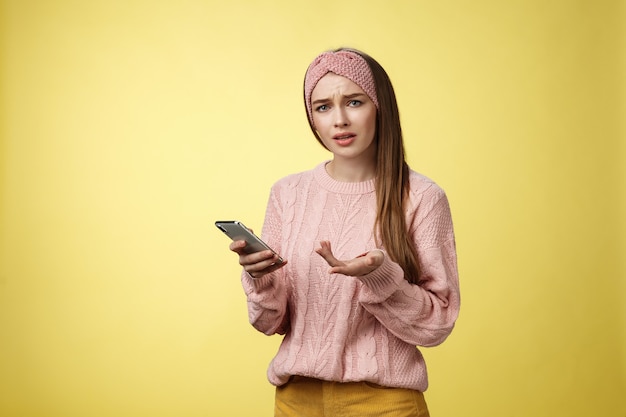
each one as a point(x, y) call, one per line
point(237, 231)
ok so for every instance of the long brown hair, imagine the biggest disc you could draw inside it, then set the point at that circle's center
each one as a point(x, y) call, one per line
point(392, 175)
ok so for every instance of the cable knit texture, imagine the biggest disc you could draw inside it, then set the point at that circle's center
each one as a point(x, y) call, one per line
point(341, 328)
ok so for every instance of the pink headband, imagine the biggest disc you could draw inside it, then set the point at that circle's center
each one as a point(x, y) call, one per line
point(345, 63)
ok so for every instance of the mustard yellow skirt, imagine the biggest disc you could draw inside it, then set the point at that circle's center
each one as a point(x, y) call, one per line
point(309, 397)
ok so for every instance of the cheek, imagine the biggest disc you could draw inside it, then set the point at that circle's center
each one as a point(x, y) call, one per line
point(320, 124)
point(316, 123)
point(371, 122)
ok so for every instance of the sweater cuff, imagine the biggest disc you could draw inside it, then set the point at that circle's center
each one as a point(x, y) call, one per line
point(381, 283)
point(252, 284)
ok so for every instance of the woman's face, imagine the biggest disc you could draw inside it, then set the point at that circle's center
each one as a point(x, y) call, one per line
point(345, 119)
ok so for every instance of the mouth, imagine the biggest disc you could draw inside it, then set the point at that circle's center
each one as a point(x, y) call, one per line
point(344, 136)
point(344, 139)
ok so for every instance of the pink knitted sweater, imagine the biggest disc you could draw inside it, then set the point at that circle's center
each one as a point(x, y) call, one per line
point(342, 328)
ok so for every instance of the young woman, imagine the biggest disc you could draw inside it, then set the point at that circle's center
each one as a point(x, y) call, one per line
point(370, 270)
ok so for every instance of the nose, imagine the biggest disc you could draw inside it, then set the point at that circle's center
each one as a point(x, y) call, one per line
point(341, 117)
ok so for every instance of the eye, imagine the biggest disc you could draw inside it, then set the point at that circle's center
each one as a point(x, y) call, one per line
point(321, 108)
point(354, 103)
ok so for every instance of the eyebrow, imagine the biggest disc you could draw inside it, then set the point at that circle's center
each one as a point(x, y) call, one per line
point(348, 96)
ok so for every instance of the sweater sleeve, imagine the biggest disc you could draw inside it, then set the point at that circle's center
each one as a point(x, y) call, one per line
point(267, 296)
point(424, 314)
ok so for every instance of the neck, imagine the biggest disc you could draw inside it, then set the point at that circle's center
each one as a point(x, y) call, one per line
point(350, 171)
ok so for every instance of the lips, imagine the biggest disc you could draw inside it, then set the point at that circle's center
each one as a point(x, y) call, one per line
point(343, 135)
point(344, 139)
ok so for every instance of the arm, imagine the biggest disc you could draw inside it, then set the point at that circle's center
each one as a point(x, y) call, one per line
point(263, 279)
point(423, 314)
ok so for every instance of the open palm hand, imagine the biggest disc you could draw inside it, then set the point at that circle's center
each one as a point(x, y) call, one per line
point(361, 265)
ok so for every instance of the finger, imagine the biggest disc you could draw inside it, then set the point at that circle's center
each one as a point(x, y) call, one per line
point(237, 246)
point(247, 259)
point(266, 271)
point(338, 270)
point(325, 252)
point(356, 267)
point(276, 266)
point(349, 270)
point(259, 269)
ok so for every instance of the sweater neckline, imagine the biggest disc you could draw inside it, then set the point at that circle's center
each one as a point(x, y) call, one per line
point(341, 187)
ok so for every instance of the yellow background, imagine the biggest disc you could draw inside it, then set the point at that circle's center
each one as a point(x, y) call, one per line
point(128, 127)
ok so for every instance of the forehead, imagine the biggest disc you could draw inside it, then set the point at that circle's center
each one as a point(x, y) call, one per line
point(332, 84)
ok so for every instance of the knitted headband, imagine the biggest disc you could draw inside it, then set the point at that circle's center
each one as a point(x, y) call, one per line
point(345, 63)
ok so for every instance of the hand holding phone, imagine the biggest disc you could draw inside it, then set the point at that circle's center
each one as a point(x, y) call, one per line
point(237, 231)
